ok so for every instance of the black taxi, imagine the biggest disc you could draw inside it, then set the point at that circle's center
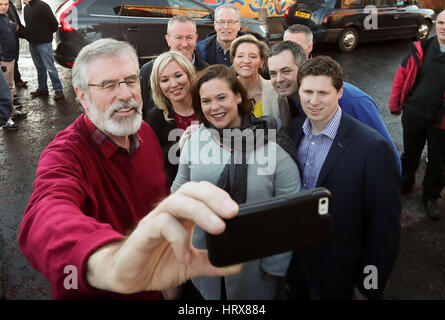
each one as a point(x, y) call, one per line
point(346, 22)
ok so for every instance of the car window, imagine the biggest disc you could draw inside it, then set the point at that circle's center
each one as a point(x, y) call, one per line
point(189, 8)
point(321, 3)
point(105, 7)
point(381, 3)
point(346, 4)
point(146, 8)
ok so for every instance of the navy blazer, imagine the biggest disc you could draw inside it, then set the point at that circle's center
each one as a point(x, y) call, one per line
point(361, 172)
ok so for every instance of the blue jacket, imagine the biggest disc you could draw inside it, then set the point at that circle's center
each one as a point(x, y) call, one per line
point(207, 47)
point(361, 172)
point(7, 38)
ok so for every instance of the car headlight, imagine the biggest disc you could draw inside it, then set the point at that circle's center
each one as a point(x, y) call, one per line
point(265, 29)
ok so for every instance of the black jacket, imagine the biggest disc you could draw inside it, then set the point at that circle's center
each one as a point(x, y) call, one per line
point(207, 47)
point(161, 127)
point(145, 74)
point(40, 22)
point(5, 100)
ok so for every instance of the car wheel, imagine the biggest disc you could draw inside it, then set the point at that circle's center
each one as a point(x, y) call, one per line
point(424, 30)
point(348, 40)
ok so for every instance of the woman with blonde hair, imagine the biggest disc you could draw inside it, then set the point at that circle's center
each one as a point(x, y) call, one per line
point(170, 82)
point(249, 57)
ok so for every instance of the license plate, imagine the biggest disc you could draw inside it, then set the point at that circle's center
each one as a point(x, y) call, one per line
point(302, 14)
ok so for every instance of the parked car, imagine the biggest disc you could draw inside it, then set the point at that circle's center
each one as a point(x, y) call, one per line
point(348, 22)
point(143, 23)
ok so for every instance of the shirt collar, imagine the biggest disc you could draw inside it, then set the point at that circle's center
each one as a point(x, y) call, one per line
point(219, 48)
point(106, 145)
point(331, 128)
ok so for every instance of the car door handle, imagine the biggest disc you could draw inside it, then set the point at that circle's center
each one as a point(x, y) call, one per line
point(133, 29)
point(396, 16)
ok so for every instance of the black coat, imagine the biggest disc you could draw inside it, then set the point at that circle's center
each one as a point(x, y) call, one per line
point(40, 22)
point(161, 127)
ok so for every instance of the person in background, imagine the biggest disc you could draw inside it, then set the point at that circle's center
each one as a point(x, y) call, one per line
point(418, 93)
point(8, 42)
point(5, 101)
point(215, 49)
point(40, 25)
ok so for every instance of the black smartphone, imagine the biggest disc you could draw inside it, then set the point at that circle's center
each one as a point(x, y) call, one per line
point(273, 226)
point(4, 69)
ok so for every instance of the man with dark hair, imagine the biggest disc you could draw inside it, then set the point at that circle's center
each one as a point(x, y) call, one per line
point(357, 165)
point(419, 91)
point(181, 37)
point(40, 26)
point(284, 61)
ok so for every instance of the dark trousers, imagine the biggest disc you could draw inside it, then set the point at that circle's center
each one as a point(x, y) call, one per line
point(17, 75)
point(417, 131)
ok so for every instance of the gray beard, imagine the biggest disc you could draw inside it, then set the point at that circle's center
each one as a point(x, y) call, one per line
point(123, 127)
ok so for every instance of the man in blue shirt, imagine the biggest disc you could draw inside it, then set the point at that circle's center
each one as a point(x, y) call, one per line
point(284, 61)
point(357, 165)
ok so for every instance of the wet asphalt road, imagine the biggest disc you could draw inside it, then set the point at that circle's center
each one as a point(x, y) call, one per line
point(419, 272)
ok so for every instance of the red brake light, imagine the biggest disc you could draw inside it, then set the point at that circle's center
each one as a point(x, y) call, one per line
point(65, 24)
point(325, 21)
point(286, 13)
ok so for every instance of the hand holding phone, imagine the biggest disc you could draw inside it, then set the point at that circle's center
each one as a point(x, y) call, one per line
point(273, 226)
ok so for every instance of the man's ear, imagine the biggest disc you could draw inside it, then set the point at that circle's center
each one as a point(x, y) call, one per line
point(82, 97)
point(167, 39)
point(340, 93)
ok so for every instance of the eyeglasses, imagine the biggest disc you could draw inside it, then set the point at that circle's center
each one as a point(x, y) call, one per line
point(231, 23)
point(112, 85)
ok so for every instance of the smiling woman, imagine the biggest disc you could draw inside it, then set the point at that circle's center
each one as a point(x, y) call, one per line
point(249, 57)
point(170, 83)
point(221, 103)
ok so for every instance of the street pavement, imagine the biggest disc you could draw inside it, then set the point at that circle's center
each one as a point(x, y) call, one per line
point(420, 269)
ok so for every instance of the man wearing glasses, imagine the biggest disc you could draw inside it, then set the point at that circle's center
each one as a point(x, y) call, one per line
point(215, 49)
point(95, 225)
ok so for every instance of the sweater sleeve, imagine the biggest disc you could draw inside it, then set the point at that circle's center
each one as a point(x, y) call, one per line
point(55, 234)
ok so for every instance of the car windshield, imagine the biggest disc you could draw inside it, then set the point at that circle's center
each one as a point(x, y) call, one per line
point(322, 3)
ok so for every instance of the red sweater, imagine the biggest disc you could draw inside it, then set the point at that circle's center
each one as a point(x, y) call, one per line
point(84, 199)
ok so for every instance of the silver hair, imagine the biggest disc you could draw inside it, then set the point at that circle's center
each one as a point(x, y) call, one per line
point(228, 6)
point(101, 48)
point(301, 28)
point(180, 18)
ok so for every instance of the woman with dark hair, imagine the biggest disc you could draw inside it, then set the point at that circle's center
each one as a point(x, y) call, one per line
point(251, 158)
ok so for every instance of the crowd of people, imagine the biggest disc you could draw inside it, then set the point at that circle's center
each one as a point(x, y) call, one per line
point(126, 193)
point(40, 26)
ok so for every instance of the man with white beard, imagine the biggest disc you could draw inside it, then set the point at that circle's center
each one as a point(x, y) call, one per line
point(86, 226)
